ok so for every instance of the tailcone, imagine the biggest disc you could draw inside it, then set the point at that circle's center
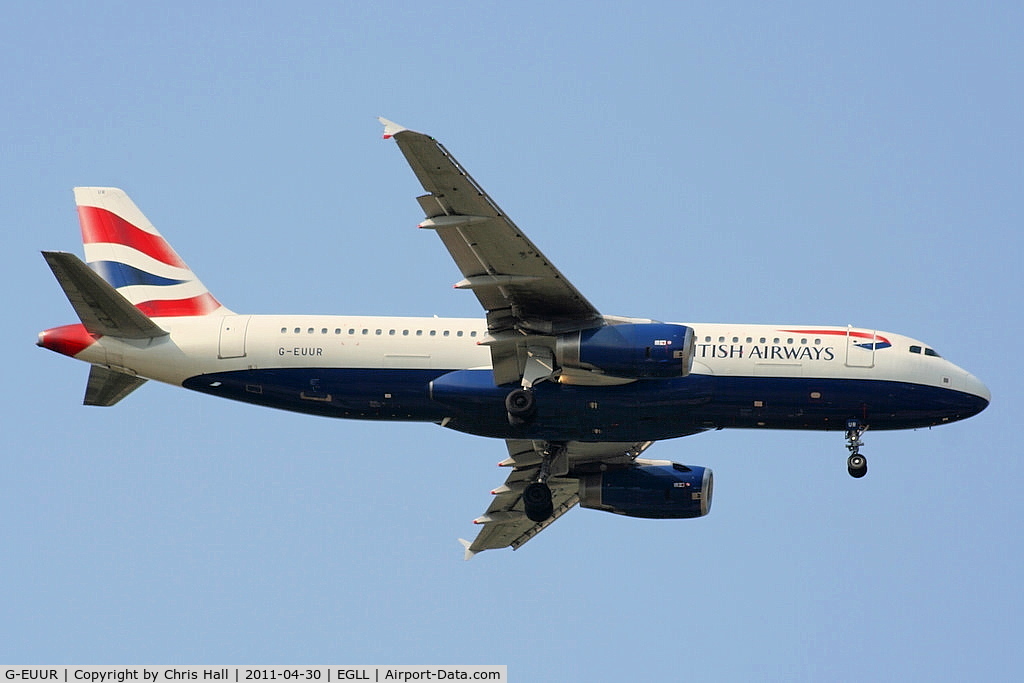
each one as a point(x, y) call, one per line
point(67, 340)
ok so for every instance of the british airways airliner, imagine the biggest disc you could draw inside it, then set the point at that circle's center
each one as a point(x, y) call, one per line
point(577, 396)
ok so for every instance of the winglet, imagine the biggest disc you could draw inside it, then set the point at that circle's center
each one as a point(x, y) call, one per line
point(469, 553)
point(391, 129)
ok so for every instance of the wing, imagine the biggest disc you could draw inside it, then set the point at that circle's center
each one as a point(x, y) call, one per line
point(528, 302)
point(523, 293)
point(505, 522)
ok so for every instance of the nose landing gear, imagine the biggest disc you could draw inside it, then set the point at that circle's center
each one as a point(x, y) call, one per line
point(856, 464)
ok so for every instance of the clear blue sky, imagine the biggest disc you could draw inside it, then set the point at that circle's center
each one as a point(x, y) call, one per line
point(718, 162)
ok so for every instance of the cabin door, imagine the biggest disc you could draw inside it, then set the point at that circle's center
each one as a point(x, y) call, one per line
point(860, 348)
point(232, 336)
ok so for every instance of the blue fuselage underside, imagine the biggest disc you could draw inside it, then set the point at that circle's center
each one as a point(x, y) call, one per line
point(468, 401)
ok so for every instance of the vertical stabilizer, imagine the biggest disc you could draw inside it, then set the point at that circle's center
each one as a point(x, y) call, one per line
point(124, 248)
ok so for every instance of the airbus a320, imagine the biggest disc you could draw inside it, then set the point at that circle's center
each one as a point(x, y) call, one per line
point(577, 395)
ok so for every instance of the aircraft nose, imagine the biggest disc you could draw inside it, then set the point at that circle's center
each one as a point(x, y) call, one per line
point(980, 394)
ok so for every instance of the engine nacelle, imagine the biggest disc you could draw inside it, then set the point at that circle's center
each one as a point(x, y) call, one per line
point(630, 350)
point(663, 490)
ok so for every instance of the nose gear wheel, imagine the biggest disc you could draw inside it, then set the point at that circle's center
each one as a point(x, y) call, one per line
point(856, 464)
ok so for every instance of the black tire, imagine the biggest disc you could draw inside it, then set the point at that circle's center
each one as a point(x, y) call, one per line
point(520, 403)
point(537, 501)
point(857, 465)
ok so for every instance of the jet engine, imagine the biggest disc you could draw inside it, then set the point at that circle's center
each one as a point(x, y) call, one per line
point(658, 490)
point(629, 350)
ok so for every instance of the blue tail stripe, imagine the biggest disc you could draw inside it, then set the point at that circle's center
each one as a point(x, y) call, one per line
point(122, 275)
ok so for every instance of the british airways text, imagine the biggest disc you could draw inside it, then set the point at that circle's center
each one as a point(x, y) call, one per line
point(766, 352)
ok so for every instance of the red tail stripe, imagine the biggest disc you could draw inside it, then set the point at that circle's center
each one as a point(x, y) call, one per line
point(198, 305)
point(100, 225)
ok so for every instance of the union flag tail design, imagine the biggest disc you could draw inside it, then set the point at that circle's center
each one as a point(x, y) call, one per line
point(124, 248)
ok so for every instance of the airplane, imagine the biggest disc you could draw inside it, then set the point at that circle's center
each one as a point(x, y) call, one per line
point(577, 395)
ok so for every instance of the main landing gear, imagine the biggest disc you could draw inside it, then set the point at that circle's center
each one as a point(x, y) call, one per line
point(540, 366)
point(856, 464)
point(521, 405)
point(537, 496)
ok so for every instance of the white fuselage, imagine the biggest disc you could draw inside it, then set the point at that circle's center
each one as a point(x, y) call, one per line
point(203, 345)
point(439, 370)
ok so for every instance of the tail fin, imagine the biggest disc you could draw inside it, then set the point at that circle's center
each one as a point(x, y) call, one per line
point(124, 248)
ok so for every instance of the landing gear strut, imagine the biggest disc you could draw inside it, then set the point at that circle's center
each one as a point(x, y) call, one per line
point(856, 464)
point(537, 496)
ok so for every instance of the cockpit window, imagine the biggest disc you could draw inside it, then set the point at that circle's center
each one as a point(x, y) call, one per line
point(915, 349)
point(932, 352)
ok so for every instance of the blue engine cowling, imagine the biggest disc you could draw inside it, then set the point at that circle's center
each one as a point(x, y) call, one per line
point(654, 491)
point(629, 350)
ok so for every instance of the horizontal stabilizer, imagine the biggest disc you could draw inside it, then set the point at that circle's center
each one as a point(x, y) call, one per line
point(107, 387)
point(102, 309)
